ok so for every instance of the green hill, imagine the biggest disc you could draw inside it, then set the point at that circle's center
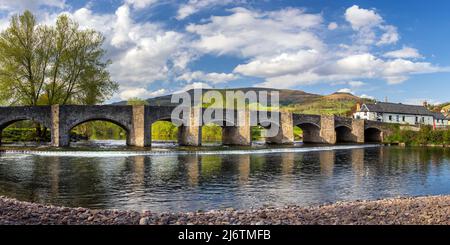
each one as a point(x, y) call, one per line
point(292, 100)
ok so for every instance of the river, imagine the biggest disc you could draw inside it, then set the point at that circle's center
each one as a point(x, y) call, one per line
point(170, 178)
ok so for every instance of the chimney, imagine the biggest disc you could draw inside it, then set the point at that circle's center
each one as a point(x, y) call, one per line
point(425, 104)
point(358, 107)
point(386, 99)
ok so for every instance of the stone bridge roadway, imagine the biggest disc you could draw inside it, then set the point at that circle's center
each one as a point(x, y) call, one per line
point(137, 121)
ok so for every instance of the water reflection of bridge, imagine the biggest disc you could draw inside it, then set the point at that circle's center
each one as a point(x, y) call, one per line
point(59, 177)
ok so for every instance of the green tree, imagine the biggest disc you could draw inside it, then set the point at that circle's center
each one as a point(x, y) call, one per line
point(46, 65)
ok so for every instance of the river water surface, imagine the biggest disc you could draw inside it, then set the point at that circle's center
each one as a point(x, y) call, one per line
point(176, 179)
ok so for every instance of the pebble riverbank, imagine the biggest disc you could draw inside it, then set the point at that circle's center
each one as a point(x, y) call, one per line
point(418, 210)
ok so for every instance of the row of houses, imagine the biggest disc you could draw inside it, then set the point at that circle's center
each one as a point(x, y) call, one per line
point(401, 114)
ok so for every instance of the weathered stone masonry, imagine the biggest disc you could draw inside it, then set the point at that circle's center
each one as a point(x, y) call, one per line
point(137, 121)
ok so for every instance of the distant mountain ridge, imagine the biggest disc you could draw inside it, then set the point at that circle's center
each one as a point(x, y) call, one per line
point(342, 104)
point(287, 96)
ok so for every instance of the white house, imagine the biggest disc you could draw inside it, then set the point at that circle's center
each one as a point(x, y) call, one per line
point(400, 113)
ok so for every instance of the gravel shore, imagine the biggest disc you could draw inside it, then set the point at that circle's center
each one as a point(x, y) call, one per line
point(418, 210)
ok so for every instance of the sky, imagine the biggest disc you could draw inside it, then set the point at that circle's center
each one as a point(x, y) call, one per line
point(381, 49)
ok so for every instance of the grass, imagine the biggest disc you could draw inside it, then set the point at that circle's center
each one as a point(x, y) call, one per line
point(324, 107)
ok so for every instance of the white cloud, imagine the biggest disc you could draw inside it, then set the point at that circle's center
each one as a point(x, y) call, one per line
point(357, 66)
point(404, 53)
point(194, 6)
point(32, 5)
point(251, 33)
point(365, 96)
point(332, 26)
point(142, 93)
point(367, 23)
point(141, 52)
point(212, 77)
point(195, 85)
point(356, 84)
point(285, 63)
point(362, 18)
point(140, 4)
point(390, 36)
point(345, 90)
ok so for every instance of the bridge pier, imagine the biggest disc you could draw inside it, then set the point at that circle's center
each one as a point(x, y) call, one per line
point(59, 136)
point(238, 134)
point(191, 135)
point(285, 132)
point(140, 133)
point(327, 129)
point(358, 127)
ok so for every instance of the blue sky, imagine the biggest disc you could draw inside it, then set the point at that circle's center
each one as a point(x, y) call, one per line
point(383, 48)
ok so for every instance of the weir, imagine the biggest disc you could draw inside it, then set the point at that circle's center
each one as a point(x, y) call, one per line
point(137, 121)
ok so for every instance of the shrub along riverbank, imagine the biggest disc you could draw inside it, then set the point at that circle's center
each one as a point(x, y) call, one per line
point(425, 136)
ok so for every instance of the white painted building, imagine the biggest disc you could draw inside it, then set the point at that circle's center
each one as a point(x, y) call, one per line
point(400, 113)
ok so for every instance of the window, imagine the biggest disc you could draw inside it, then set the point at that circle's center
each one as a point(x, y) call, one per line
point(397, 118)
point(390, 118)
point(423, 119)
point(403, 118)
point(417, 119)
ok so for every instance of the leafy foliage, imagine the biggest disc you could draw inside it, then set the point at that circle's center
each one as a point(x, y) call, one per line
point(46, 65)
point(426, 135)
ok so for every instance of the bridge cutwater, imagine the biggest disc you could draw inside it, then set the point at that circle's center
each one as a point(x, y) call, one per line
point(137, 121)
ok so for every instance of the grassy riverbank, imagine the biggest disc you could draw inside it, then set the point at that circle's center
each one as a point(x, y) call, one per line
point(425, 136)
point(414, 211)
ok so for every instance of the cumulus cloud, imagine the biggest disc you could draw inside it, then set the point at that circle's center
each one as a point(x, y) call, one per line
point(367, 22)
point(404, 53)
point(129, 93)
point(345, 90)
point(246, 33)
point(142, 53)
point(390, 36)
point(140, 4)
point(212, 77)
point(194, 6)
point(285, 63)
point(360, 18)
point(356, 66)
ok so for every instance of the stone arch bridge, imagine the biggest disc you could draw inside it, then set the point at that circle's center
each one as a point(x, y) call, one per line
point(137, 121)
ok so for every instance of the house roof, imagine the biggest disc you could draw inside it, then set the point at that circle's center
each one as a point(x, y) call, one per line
point(399, 108)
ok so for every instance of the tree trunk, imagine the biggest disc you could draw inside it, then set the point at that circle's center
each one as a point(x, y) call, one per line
point(44, 134)
point(38, 132)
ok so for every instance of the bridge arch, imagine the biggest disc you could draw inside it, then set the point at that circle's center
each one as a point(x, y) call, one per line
point(37, 114)
point(7, 122)
point(105, 119)
point(311, 132)
point(32, 123)
point(344, 134)
point(98, 119)
point(373, 135)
